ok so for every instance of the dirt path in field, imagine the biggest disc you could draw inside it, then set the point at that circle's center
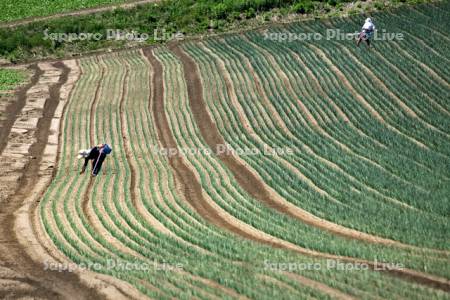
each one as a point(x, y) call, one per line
point(247, 179)
point(132, 161)
point(16, 106)
point(81, 12)
point(16, 265)
point(185, 177)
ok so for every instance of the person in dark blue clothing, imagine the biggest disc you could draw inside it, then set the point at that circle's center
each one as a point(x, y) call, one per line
point(97, 155)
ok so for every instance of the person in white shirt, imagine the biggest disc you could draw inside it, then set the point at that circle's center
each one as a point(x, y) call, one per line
point(367, 32)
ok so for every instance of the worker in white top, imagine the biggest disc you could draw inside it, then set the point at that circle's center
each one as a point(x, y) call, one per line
point(367, 32)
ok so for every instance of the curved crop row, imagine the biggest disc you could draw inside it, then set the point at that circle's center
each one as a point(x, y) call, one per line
point(365, 152)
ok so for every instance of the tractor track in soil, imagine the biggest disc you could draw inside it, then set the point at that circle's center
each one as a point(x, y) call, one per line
point(183, 175)
point(15, 107)
point(13, 255)
point(245, 178)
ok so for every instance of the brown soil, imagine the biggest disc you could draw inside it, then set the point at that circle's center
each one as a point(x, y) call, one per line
point(82, 12)
point(189, 180)
point(212, 137)
point(183, 175)
point(16, 106)
point(42, 284)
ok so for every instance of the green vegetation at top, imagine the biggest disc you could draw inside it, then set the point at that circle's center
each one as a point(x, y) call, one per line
point(158, 21)
point(9, 79)
point(14, 10)
point(186, 16)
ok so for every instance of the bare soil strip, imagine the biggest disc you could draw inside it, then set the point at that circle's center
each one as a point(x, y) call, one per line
point(188, 180)
point(165, 193)
point(82, 12)
point(185, 177)
point(132, 162)
point(13, 255)
point(16, 106)
point(28, 223)
point(247, 179)
point(125, 82)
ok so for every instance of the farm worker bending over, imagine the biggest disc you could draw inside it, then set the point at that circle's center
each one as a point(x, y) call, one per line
point(97, 154)
point(367, 32)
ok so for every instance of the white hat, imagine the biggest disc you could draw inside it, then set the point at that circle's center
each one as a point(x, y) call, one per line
point(83, 153)
point(368, 20)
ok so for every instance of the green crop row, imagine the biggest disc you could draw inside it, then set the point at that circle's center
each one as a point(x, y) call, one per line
point(335, 182)
point(211, 82)
point(209, 178)
point(377, 169)
point(121, 231)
